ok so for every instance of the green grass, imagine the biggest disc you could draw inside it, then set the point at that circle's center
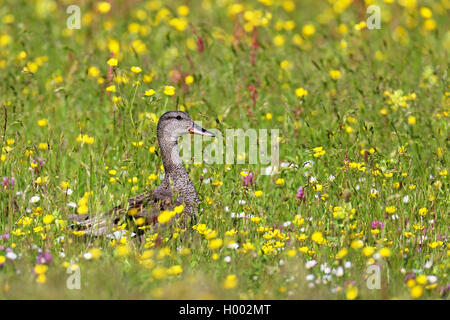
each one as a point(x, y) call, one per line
point(356, 118)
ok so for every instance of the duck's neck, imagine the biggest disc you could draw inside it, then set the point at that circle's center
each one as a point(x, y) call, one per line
point(175, 172)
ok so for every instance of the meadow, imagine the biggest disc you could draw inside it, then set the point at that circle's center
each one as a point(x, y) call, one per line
point(357, 209)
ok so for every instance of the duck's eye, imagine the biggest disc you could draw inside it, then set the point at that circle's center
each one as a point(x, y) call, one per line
point(178, 117)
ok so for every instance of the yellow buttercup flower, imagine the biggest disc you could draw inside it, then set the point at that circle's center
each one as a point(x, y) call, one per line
point(230, 282)
point(169, 90)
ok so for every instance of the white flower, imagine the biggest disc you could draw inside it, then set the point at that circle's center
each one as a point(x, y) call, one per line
point(312, 179)
point(11, 255)
point(35, 199)
point(287, 224)
point(347, 264)
point(310, 277)
point(69, 192)
point(72, 205)
point(227, 259)
point(281, 262)
point(310, 284)
point(339, 272)
point(310, 264)
point(227, 209)
point(326, 277)
point(405, 199)
point(62, 254)
point(331, 178)
point(308, 164)
point(270, 171)
point(205, 170)
point(117, 234)
point(87, 256)
point(432, 279)
point(357, 187)
point(241, 202)
point(233, 245)
point(428, 264)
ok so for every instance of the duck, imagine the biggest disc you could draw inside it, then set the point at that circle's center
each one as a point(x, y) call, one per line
point(176, 183)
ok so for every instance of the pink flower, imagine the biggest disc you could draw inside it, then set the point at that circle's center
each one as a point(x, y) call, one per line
point(248, 180)
point(300, 193)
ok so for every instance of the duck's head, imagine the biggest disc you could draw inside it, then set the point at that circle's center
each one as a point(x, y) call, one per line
point(177, 123)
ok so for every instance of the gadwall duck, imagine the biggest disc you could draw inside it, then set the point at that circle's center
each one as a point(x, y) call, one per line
point(176, 182)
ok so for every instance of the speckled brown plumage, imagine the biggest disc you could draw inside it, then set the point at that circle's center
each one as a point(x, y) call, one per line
point(176, 183)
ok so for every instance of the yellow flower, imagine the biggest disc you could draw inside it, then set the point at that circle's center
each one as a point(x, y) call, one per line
point(416, 292)
point(112, 62)
point(385, 252)
point(258, 193)
point(174, 270)
point(318, 237)
point(111, 88)
point(368, 251)
point(215, 244)
point(178, 23)
point(230, 282)
point(335, 74)
point(308, 30)
point(285, 64)
point(48, 219)
point(183, 10)
point(279, 40)
point(135, 69)
point(42, 122)
point(40, 269)
point(95, 253)
point(159, 273)
point(342, 253)
point(169, 90)
point(300, 92)
point(423, 211)
point(42, 278)
point(43, 146)
point(279, 181)
point(426, 13)
point(178, 209)
point(391, 209)
point(122, 250)
point(269, 116)
point(422, 279)
point(164, 217)
point(189, 79)
point(412, 120)
point(351, 292)
point(31, 67)
point(429, 24)
point(103, 6)
point(357, 244)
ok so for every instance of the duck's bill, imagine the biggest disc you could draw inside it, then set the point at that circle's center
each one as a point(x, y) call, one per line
point(196, 129)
